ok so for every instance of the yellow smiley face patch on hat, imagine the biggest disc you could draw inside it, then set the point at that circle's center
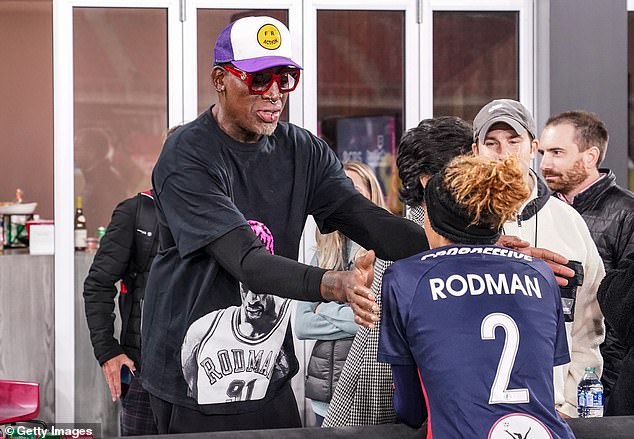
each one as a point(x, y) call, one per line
point(269, 37)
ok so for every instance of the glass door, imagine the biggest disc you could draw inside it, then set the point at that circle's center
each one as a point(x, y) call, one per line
point(474, 51)
point(117, 89)
point(362, 81)
point(360, 89)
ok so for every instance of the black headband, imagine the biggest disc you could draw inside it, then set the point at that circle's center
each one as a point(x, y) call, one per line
point(453, 221)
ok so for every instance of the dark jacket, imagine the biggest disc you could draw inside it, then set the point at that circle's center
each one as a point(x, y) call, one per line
point(616, 297)
point(609, 213)
point(324, 368)
point(125, 253)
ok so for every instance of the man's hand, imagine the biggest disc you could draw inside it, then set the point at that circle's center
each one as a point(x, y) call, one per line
point(112, 372)
point(353, 287)
point(555, 261)
point(513, 242)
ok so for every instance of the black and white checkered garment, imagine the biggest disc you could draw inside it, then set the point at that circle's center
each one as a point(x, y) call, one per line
point(137, 418)
point(363, 395)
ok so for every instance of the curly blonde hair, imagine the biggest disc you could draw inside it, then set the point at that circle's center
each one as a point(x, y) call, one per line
point(491, 191)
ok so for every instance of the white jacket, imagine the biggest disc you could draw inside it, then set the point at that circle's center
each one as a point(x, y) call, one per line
point(547, 222)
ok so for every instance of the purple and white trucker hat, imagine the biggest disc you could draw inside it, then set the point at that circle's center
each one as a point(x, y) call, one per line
point(255, 43)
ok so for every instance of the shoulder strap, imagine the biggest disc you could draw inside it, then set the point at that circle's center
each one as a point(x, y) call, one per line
point(146, 227)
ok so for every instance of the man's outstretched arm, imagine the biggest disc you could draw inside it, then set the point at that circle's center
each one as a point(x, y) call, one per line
point(243, 255)
point(391, 237)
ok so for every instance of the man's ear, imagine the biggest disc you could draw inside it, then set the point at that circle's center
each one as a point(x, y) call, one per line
point(534, 147)
point(423, 180)
point(474, 148)
point(591, 157)
point(218, 78)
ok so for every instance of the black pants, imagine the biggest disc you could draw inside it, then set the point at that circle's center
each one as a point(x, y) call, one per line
point(281, 412)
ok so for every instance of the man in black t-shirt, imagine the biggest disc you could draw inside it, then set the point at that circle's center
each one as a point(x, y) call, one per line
point(231, 176)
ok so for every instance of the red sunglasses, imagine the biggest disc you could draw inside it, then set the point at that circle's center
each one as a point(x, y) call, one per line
point(260, 82)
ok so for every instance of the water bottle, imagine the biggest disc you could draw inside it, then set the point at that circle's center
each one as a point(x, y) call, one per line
point(590, 395)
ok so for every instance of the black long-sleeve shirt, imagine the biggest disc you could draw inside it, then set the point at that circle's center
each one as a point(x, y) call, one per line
point(243, 255)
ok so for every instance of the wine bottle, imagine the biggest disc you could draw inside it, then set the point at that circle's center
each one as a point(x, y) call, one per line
point(81, 233)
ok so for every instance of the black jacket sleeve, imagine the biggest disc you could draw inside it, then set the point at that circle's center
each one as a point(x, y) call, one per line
point(616, 299)
point(242, 254)
point(391, 237)
point(109, 266)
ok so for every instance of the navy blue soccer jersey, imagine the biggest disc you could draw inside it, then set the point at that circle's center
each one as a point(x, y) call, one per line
point(485, 327)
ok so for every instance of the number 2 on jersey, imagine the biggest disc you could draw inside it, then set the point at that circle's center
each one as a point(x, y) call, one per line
point(500, 394)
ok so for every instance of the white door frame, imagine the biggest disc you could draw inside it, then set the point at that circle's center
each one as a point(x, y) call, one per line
point(64, 185)
point(526, 45)
point(411, 115)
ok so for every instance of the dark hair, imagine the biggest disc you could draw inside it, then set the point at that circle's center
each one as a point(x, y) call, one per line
point(426, 149)
point(589, 130)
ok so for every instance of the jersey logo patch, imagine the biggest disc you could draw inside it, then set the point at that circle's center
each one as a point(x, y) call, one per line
point(519, 426)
